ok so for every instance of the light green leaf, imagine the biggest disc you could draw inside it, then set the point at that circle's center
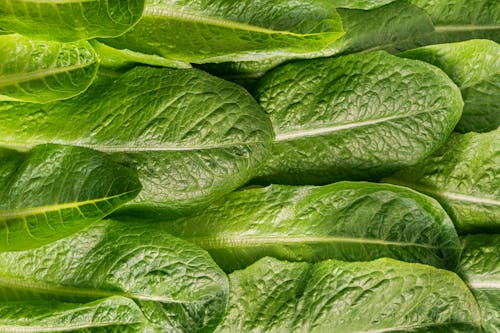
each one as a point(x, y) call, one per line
point(480, 268)
point(384, 295)
point(360, 4)
point(44, 71)
point(112, 314)
point(70, 20)
point(54, 191)
point(395, 27)
point(192, 137)
point(122, 60)
point(475, 67)
point(176, 284)
point(463, 176)
point(458, 20)
point(354, 117)
point(347, 221)
point(223, 30)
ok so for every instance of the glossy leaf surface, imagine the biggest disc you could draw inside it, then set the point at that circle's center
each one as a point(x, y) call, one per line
point(70, 20)
point(384, 295)
point(475, 67)
point(480, 268)
point(463, 176)
point(54, 191)
point(354, 117)
point(347, 221)
point(177, 285)
point(192, 137)
point(107, 315)
point(222, 30)
point(44, 71)
point(458, 20)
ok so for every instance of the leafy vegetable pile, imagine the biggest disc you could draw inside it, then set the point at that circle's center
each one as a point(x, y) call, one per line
point(326, 166)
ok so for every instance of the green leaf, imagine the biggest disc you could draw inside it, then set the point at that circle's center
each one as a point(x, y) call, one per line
point(123, 60)
point(480, 268)
point(192, 137)
point(459, 20)
point(70, 20)
point(176, 284)
point(354, 117)
point(221, 30)
point(54, 191)
point(360, 4)
point(384, 295)
point(112, 314)
point(44, 71)
point(347, 221)
point(395, 27)
point(463, 176)
point(475, 67)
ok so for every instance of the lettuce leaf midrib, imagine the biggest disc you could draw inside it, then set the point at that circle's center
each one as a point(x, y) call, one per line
point(256, 241)
point(5, 215)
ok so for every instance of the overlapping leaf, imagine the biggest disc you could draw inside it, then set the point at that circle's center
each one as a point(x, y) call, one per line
point(70, 20)
point(54, 191)
point(44, 71)
point(480, 268)
point(177, 285)
point(384, 295)
point(221, 30)
point(463, 176)
point(347, 221)
point(475, 67)
point(192, 137)
point(353, 117)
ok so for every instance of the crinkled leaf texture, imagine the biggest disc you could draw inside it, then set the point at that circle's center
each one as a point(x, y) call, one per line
point(394, 27)
point(463, 176)
point(54, 191)
point(118, 60)
point(177, 285)
point(475, 67)
point(384, 295)
point(44, 71)
point(114, 314)
point(192, 137)
point(222, 30)
point(480, 268)
point(359, 116)
point(347, 221)
point(459, 20)
point(70, 20)
point(361, 4)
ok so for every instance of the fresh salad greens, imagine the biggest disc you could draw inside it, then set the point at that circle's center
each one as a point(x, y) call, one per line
point(53, 191)
point(347, 180)
point(480, 268)
point(334, 296)
point(464, 176)
point(354, 117)
point(353, 221)
point(475, 67)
